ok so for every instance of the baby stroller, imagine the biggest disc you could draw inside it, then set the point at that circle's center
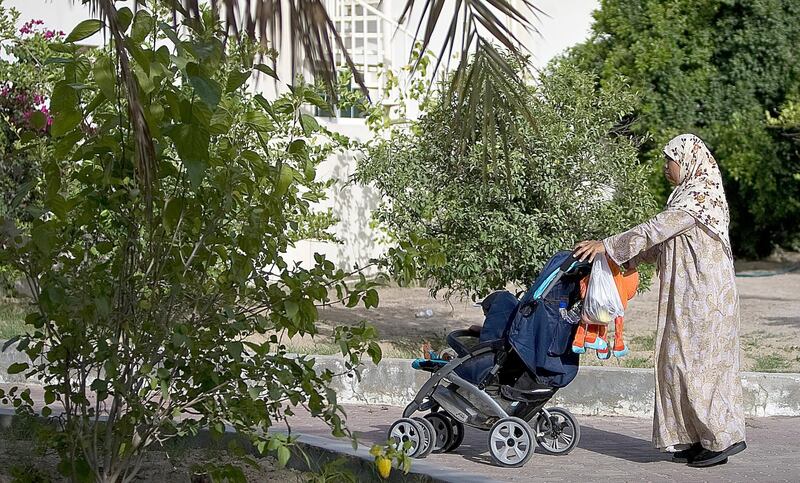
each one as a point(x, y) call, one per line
point(503, 375)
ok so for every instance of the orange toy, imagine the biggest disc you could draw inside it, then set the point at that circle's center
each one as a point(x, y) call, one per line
point(595, 336)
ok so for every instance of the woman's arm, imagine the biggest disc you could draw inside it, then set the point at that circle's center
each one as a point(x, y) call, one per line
point(648, 256)
point(641, 243)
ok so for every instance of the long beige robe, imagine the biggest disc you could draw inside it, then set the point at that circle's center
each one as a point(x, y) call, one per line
point(698, 388)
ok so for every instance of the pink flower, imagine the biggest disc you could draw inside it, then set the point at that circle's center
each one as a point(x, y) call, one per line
point(49, 34)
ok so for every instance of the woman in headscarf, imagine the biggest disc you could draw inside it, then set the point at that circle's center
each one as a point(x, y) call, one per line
point(698, 401)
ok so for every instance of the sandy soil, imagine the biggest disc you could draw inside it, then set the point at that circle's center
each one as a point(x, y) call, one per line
point(770, 330)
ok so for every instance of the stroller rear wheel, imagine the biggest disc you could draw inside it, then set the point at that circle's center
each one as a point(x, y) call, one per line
point(409, 431)
point(557, 434)
point(449, 432)
point(458, 435)
point(511, 442)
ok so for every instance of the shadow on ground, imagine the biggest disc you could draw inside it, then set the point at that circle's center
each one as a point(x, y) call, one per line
point(620, 446)
point(607, 443)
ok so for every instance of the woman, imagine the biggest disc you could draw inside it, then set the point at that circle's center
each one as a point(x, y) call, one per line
point(698, 391)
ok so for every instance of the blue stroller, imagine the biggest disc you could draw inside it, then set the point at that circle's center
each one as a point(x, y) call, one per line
point(503, 375)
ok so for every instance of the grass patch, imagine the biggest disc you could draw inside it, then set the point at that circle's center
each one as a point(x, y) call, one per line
point(12, 317)
point(644, 342)
point(770, 363)
point(636, 362)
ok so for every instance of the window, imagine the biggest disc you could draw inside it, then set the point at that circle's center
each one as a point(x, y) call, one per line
point(361, 28)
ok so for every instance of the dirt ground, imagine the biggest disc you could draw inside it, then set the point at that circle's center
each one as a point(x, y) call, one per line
point(770, 309)
point(20, 462)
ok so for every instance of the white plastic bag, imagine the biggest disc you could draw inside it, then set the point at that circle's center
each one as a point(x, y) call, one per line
point(602, 304)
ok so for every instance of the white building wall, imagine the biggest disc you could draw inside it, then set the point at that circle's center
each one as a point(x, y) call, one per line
point(567, 22)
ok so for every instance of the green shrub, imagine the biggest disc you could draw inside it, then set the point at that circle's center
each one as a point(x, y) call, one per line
point(719, 69)
point(476, 226)
point(161, 289)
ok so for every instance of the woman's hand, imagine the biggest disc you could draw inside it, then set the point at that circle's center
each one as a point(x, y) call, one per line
point(587, 250)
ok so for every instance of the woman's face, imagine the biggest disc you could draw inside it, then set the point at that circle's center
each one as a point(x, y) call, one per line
point(672, 171)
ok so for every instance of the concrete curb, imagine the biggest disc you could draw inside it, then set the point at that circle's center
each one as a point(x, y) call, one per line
point(596, 390)
point(311, 453)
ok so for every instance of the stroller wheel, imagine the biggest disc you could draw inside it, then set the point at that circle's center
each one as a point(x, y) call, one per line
point(458, 435)
point(559, 434)
point(428, 437)
point(451, 427)
point(444, 431)
point(404, 431)
point(511, 442)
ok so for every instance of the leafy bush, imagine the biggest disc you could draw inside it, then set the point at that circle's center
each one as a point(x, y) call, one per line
point(712, 67)
point(25, 87)
point(174, 300)
point(476, 226)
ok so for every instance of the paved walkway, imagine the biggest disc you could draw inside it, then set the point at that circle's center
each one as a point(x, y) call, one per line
point(615, 449)
point(612, 449)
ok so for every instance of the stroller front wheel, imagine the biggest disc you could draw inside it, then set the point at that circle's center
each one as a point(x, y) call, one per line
point(407, 435)
point(511, 442)
point(556, 434)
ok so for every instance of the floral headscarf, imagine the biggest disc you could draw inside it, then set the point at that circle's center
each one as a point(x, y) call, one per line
point(699, 191)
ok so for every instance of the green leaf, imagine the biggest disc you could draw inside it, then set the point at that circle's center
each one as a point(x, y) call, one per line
point(64, 123)
point(192, 142)
point(375, 352)
point(67, 144)
point(46, 412)
point(285, 178)
point(309, 124)
point(83, 30)
point(102, 306)
point(63, 99)
point(49, 397)
point(17, 367)
point(236, 80)
point(43, 238)
point(317, 100)
point(105, 77)
point(38, 120)
point(235, 350)
point(172, 213)
point(371, 298)
point(283, 455)
point(143, 24)
point(291, 308)
point(124, 16)
point(267, 70)
point(207, 89)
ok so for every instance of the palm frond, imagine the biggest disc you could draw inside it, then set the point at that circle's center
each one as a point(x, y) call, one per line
point(473, 29)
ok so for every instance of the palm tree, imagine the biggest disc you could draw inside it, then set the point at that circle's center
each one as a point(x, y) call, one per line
point(476, 29)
